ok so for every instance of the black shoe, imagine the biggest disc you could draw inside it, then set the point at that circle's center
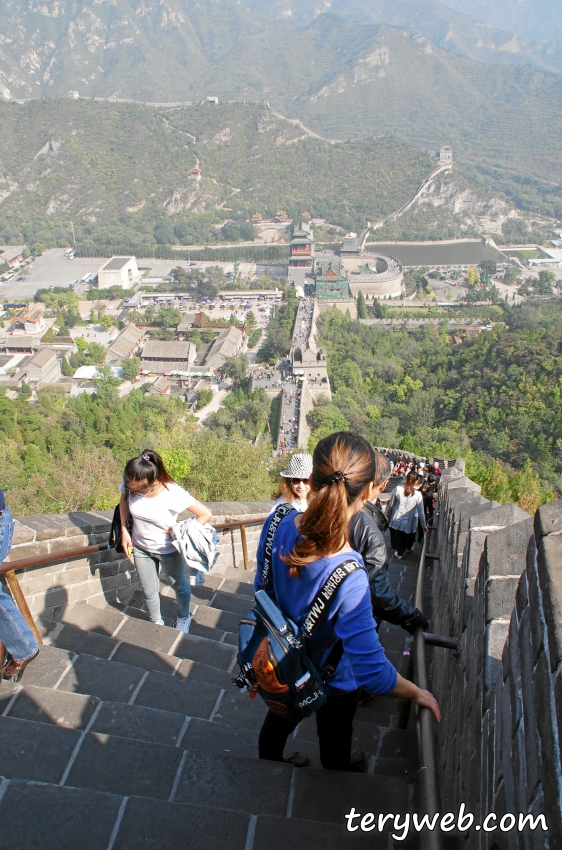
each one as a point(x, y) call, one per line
point(297, 759)
point(358, 761)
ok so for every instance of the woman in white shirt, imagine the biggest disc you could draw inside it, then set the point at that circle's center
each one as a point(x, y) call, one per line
point(153, 500)
point(294, 484)
point(403, 512)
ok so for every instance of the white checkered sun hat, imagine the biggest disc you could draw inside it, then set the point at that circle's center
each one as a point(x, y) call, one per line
point(300, 466)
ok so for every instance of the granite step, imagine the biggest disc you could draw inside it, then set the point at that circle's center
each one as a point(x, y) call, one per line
point(67, 818)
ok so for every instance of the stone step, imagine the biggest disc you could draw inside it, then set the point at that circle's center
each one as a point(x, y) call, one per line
point(67, 818)
point(275, 833)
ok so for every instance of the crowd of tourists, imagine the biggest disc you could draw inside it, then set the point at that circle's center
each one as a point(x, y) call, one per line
point(327, 516)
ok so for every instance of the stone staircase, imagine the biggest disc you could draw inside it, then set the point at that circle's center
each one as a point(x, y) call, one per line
point(124, 734)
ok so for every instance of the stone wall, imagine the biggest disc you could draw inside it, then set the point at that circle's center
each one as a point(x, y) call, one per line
point(498, 588)
point(106, 576)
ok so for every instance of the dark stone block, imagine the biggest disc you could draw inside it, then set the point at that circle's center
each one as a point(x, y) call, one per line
point(506, 549)
point(147, 659)
point(169, 826)
point(398, 743)
point(198, 630)
point(328, 795)
point(240, 588)
point(148, 635)
point(196, 699)
point(535, 611)
point(46, 669)
point(548, 519)
point(35, 750)
point(521, 594)
point(242, 784)
point(280, 833)
point(56, 707)
point(205, 652)
point(532, 743)
point(220, 738)
point(107, 680)
point(139, 723)
point(549, 558)
point(102, 621)
point(545, 721)
point(79, 641)
point(231, 638)
point(123, 766)
point(223, 621)
point(194, 672)
point(45, 527)
point(500, 597)
point(235, 604)
point(237, 709)
point(62, 818)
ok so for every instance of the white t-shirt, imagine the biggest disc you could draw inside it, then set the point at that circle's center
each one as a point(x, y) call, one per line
point(152, 517)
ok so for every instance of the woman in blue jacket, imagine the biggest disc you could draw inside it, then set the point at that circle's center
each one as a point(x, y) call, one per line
point(306, 549)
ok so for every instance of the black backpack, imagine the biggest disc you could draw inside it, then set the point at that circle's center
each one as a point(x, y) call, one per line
point(272, 653)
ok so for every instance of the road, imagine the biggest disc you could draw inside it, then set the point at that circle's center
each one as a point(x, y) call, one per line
point(212, 407)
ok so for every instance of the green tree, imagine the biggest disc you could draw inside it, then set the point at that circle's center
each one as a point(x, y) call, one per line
point(204, 396)
point(131, 367)
point(81, 343)
point(236, 367)
point(361, 306)
point(168, 317)
point(488, 268)
point(546, 279)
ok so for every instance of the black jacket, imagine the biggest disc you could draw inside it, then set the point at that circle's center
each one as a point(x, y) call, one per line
point(366, 538)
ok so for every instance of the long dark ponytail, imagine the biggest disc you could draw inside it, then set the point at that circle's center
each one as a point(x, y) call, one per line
point(149, 467)
point(343, 464)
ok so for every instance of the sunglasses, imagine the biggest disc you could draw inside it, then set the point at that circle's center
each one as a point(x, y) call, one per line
point(298, 480)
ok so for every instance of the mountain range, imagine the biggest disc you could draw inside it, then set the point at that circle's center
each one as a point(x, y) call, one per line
point(535, 19)
point(410, 68)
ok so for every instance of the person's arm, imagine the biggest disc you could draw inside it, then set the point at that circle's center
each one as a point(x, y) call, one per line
point(201, 511)
point(421, 514)
point(408, 690)
point(125, 536)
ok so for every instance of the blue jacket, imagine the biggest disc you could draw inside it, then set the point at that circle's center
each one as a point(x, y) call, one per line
point(363, 663)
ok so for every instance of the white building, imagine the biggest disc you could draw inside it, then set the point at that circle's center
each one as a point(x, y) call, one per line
point(119, 271)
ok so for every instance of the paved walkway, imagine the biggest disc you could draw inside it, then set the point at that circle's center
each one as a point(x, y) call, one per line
point(212, 407)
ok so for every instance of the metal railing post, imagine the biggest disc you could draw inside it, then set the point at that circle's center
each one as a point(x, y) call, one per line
point(427, 778)
point(21, 602)
point(244, 547)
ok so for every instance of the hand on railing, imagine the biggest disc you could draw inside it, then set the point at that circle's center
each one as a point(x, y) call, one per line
point(424, 699)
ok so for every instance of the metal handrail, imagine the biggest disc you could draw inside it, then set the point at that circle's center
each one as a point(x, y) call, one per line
point(427, 778)
point(10, 569)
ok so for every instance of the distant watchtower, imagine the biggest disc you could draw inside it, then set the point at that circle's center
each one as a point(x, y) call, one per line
point(446, 155)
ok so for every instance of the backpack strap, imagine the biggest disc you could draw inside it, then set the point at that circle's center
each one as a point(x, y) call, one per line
point(320, 607)
point(279, 514)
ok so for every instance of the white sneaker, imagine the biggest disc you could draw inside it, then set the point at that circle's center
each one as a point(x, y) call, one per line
point(158, 622)
point(183, 624)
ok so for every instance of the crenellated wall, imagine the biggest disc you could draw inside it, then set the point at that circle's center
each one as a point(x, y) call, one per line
point(498, 588)
point(105, 576)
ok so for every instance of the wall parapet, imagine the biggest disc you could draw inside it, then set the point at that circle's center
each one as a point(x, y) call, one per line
point(498, 588)
point(106, 576)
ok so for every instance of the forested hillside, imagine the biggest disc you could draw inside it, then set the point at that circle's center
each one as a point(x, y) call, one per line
point(120, 172)
point(497, 395)
point(60, 456)
point(343, 78)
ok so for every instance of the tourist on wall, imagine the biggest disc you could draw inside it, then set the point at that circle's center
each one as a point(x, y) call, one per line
point(305, 551)
point(153, 500)
point(366, 536)
point(17, 644)
point(403, 511)
point(294, 485)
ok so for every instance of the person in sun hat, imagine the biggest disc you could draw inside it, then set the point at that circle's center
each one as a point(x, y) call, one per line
point(294, 486)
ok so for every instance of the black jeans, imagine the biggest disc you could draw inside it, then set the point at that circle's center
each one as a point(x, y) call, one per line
point(334, 723)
